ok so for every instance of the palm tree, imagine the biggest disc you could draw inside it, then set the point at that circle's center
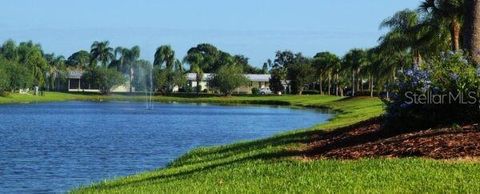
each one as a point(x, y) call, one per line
point(404, 34)
point(132, 57)
point(196, 62)
point(408, 32)
point(129, 60)
point(118, 61)
point(100, 51)
point(79, 59)
point(324, 63)
point(472, 29)
point(179, 66)
point(377, 70)
point(56, 66)
point(446, 13)
point(164, 55)
point(354, 60)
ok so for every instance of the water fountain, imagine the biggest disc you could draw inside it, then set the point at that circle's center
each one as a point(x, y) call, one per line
point(149, 89)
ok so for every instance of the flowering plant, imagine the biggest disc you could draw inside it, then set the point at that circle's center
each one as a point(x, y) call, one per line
point(442, 91)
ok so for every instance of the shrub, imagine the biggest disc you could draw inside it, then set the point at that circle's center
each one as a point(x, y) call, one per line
point(4, 81)
point(227, 79)
point(255, 91)
point(186, 89)
point(443, 92)
point(104, 78)
point(14, 75)
point(300, 74)
point(165, 80)
point(276, 79)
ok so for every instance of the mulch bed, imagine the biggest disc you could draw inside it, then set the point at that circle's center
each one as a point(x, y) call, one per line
point(367, 140)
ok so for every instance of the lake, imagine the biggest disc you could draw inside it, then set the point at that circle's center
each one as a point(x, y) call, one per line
point(54, 147)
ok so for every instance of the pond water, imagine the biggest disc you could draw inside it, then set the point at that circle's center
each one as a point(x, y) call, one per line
point(54, 147)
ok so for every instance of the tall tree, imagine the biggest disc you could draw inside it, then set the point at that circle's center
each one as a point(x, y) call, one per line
point(164, 55)
point(300, 73)
point(408, 32)
point(127, 61)
point(31, 55)
point(55, 72)
point(101, 52)
point(354, 60)
point(169, 70)
point(79, 59)
point(446, 13)
point(403, 34)
point(266, 66)
point(324, 63)
point(472, 29)
point(209, 55)
point(179, 66)
point(9, 50)
point(197, 63)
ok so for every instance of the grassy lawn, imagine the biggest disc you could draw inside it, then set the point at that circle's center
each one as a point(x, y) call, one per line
point(276, 165)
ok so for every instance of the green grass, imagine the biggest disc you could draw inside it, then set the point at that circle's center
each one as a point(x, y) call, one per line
point(276, 165)
point(293, 176)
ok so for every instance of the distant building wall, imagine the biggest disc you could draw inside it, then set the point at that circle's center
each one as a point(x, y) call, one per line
point(255, 81)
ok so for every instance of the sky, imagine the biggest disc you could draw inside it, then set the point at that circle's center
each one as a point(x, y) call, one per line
point(254, 28)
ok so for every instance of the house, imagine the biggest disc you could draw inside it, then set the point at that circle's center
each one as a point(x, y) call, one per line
point(77, 84)
point(256, 81)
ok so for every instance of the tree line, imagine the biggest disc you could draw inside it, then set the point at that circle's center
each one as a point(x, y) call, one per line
point(26, 65)
point(414, 38)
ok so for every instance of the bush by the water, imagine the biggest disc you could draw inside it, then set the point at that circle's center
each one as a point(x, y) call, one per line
point(443, 91)
point(255, 91)
point(104, 78)
point(227, 79)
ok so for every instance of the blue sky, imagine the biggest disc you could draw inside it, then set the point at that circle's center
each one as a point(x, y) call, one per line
point(254, 28)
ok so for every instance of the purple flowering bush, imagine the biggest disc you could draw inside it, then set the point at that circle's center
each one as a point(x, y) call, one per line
point(442, 92)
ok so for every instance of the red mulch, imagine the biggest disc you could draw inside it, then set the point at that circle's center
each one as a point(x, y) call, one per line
point(367, 139)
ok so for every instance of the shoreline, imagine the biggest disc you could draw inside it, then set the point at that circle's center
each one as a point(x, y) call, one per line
point(349, 111)
point(281, 162)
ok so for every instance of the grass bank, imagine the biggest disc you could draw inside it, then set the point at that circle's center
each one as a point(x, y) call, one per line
point(276, 164)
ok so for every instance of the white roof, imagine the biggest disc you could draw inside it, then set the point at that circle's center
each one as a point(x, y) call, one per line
point(193, 76)
point(258, 77)
point(251, 77)
point(75, 74)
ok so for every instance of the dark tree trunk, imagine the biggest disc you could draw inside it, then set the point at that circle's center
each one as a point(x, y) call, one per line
point(359, 84)
point(455, 30)
point(353, 83)
point(417, 58)
point(370, 85)
point(336, 84)
point(359, 81)
point(329, 83)
point(321, 85)
point(472, 29)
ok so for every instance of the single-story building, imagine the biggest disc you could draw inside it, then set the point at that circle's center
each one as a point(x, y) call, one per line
point(77, 84)
point(256, 81)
